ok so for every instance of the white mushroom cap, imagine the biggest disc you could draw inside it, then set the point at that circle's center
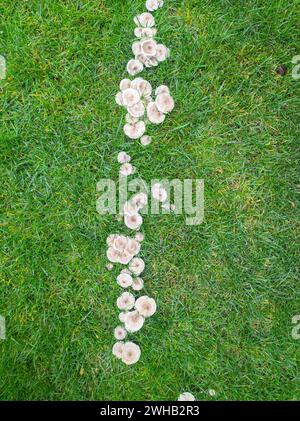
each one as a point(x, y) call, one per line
point(162, 89)
point(119, 99)
point(124, 280)
point(139, 200)
point(133, 321)
point(145, 140)
point(110, 239)
point(142, 58)
point(162, 52)
point(131, 353)
point(122, 316)
point(117, 349)
point(145, 88)
point(133, 221)
point(134, 67)
point(120, 242)
point(137, 266)
point(135, 83)
point(147, 32)
point(130, 208)
point(123, 157)
point(130, 97)
point(130, 119)
point(125, 257)
point(133, 247)
point(154, 115)
point(146, 20)
point(159, 192)
point(138, 32)
point(165, 103)
point(149, 47)
point(152, 5)
point(120, 333)
point(135, 131)
point(113, 255)
point(109, 266)
point(125, 301)
point(125, 84)
point(139, 237)
point(146, 306)
point(126, 169)
point(142, 86)
point(136, 47)
point(152, 61)
point(137, 284)
point(186, 396)
point(126, 271)
point(137, 110)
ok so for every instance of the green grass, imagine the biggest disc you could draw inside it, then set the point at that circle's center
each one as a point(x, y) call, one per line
point(227, 289)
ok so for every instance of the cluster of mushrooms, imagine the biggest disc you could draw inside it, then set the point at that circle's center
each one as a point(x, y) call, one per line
point(124, 250)
point(146, 50)
point(143, 106)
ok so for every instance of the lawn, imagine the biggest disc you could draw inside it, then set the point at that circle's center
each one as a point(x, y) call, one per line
point(227, 289)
